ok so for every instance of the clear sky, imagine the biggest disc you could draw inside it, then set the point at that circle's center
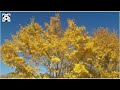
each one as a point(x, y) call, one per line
point(91, 20)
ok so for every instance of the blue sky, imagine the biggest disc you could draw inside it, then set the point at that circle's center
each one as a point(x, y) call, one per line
point(91, 20)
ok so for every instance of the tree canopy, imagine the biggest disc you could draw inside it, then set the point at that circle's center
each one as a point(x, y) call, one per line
point(69, 53)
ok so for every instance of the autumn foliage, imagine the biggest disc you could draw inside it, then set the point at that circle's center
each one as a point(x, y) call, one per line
point(69, 53)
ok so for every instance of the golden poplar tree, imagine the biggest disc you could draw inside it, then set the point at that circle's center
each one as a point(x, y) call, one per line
point(69, 53)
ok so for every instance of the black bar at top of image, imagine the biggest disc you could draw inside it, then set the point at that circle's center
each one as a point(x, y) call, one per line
point(60, 5)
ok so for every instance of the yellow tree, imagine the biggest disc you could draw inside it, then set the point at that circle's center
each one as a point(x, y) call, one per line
point(23, 45)
point(69, 53)
point(106, 51)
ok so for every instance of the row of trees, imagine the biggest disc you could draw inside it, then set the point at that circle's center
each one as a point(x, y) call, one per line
point(69, 53)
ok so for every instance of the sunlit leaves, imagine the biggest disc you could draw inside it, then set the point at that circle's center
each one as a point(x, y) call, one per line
point(79, 68)
point(55, 59)
point(69, 53)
